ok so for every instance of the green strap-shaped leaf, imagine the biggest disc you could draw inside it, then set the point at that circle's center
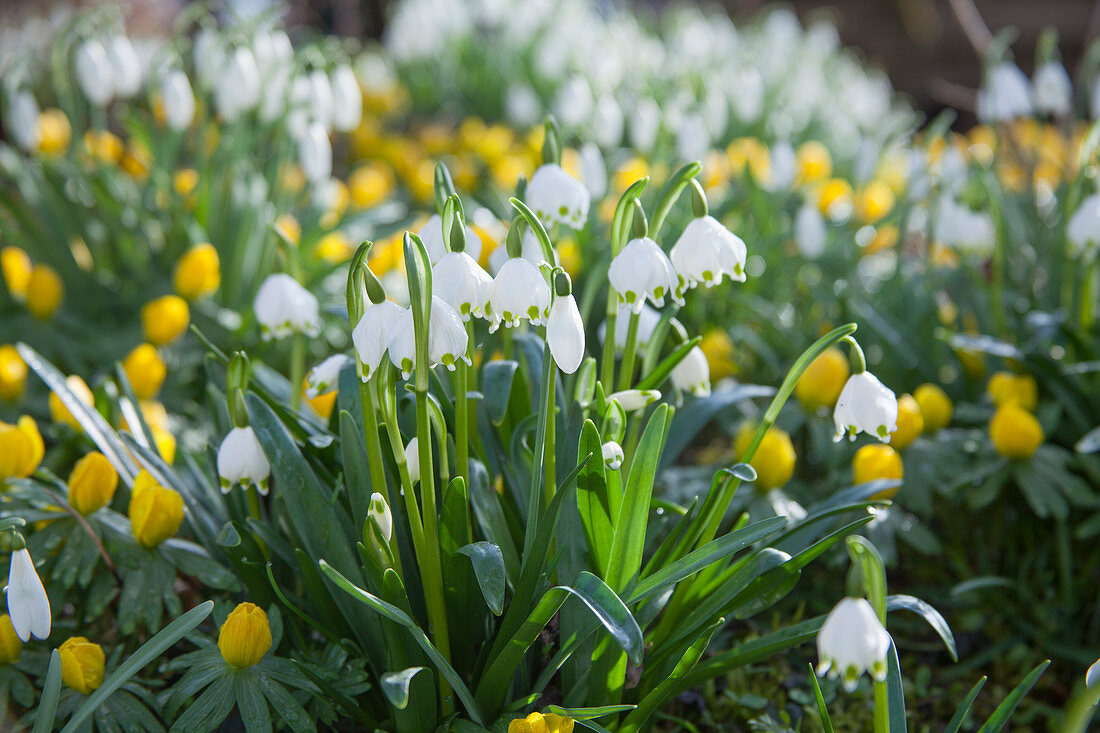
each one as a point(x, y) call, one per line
point(752, 651)
point(51, 691)
point(1000, 717)
point(590, 713)
point(657, 376)
point(395, 686)
point(598, 510)
point(822, 708)
point(488, 564)
point(929, 614)
point(964, 709)
point(895, 693)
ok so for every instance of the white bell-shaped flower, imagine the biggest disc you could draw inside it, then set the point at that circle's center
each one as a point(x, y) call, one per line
point(320, 98)
point(274, 100)
point(1052, 89)
point(237, 89)
point(94, 72)
point(1006, 94)
point(852, 641)
point(518, 291)
point(178, 100)
point(557, 197)
point(283, 307)
point(530, 250)
point(347, 99)
point(126, 65)
point(1083, 229)
point(241, 461)
point(379, 512)
point(647, 324)
point(431, 234)
point(28, 605)
point(642, 270)
point(23, 112)
point(1093, 675)
point(447, 339)
point(692, 375)
point(315, 153)
point(635, 399)
point(612, 455)
point(324, 377)
point(412, 460)
point(459, 281)
point(810, 231)
point(865, 405)
point(706, 252)
point(565, 333)
point(209, 55)
point(959, 227)
point(371, 335)
point(272, 49)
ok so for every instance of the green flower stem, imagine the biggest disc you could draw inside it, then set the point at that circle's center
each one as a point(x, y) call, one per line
point(297, 369)
point(462, 408)
point(882, 708)
point(1081, 710)
point(550, 485)
point(873, 573)
point(1085, 315)
point(626, 371)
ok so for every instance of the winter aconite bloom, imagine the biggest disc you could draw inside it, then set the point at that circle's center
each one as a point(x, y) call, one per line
point(460, 282)
point(241, 461)
point(910, 423)
point(1015, 432)
point(372, 334)
point(706, 252)
point(59, 413)
point(565, 333)
point(324, 377)
point(16, 267)
point(283, 307)
point(821, 383)
point(245, 637)
point(21, 448)
point(92, 483)
point(865, 405)
point(447, 339)
point(145, 370)
point(44, 293)
point(156, 512)
point(28, 606)
point(692, 375)
point(10, 645)
point(518, 291)
point(640, 271)
point(1006, 388)
point(557, 197)
point(198, 272)
point(541, 723)
point(935, 407)
point(82, 663)
point(774, 459)
point(875, 461)
point(13, 373)
point(164, 319)
point(852, 641)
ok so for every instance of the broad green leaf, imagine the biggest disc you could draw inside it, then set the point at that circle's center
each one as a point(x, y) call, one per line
point(598, 510)
point(590, 713)
point(395, 686)
point(895, 693)
point(763, 648)
point(929, 614)
point(488, 565)
point(353, 453)
point(657, 377)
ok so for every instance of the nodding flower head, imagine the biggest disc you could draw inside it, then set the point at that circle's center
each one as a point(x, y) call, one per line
point(283, 307)
point(241, 461)
point(642, 270)
point(565, 333)
point(460, 282)
point(518, 291)
point(692, 375)
point(447, 339)
point(324, 377)
point(557, 197)
point(852, 641)
point(431, 234)
point(372, 334)
point(865, 405)
point(706, 252)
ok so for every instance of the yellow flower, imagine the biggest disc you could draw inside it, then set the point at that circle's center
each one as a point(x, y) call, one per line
point(387, 255)
point(45, 292)
point(59, 413)
point(718, 348)
point(145, 370)
point(165, 319)
point(370, 184)
point(290, 228)
point(16, 267)
point(876, 200)
point(54, 132)
point(21, 448)
point(198, 272)
point(420, 179)
point(13, 373)
point(338, 205)
point(876, 461)
point(245, 637)
point(748, 153)
point(292, 178)
point(185, 181)
point(165, 442)
point(628, 172)
point(137, 161)
point(935, 407)
point(494, 142)
point(716, 169)
point(334, 248)
point(82, 664)
point(910, 423)
point(1006, 388)
point(322, 404)
point(1015, 432)
point(10, 645)
point(533, 723)
point(156, 512)
point(507, 170)
point(570, 255)
point(886, 236)
point(774, 458)
point(92, 483)
point(558, 723)
point(814, 162)
point(103, 146)
point(834, 198)
point(820, 385)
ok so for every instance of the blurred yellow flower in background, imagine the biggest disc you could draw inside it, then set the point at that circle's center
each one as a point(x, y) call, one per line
point(82, 663)
point(59, 413)
point(44, 293)
point(165, 319)
point(13, 373)
point(145, 370)
point(16, 266)
point(92, 483)
point(774, 458)
point(198, 272)
point(54, 132)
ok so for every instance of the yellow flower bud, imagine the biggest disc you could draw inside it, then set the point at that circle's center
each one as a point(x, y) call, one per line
point(627, 173)
point(54, 132)
point(59, 413)
point(198, 272)
point(16, 266)
point(81, 664)
point(1015, 432)
point(166, 444)
point(570, 255)
point(814, 162)
point(245, 637)
point(156, 512)
point(21, 448)
point(774, 458)
point(558, 723)
point(290, 228)
point(821, 383)
point(44, 292)
point(334, 248)
point(886, 236)
point(910, 423)
point(718, 348)
point(185, 181)
point(145, 370)
point(92, 483)
point(165, 319)
point(13, 373)
point(834, 198)
point(370, 184)
point(877, 461)
point(103, 146)
point(935, 407)
point(10, 645)
point(876, 200)
point(1006, 388)
point(533, 723)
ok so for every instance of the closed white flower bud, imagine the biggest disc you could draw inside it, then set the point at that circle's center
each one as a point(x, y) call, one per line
point(241, 461)
point(272, 50)
point(209, 55)
point(557, 197)
point(612, 455)
point(28, 605)
point(126, 65)
point(692, 374)
point(324, 377)
point(518, 291)
point(706, 252)
point(431, 234)
point(347, 99)
point(412, 460)
point(238, 85)
point(635, 399)
point(94, 72)
point(23, 114)
point(959, 227)
point(178, 100)
point(647, 324)
point(642, 270)
point(865, 405)
point(810, 231)
point(565, 333)
point(783, 166)
point(372, 334)
point(1052, 89)
point(379, 512)
point(460, 282)
point(315, 153)
point(852, 641)
point(284, 307)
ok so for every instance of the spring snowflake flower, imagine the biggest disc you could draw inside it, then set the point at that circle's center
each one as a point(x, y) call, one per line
point(22, 119)
point(28, 606)
point(1052, 89)
point(412, 460)
point(461, 282)
point(447, 339)
point(809, 231)
point(379, 511)
point(1093, 675)
point(325, 376)
point(126, 66)
point(431, 234)
point(1005, 95)
point(706, 252)
point(693, 374)
point(959, 227)
point(347, 99)
point(852, 641)
point(612, 455)
point(518, 291)
point(372, 334)
point(530, 250)
point(315, 153)
point(635, 399)
point(178, 100)
point(94, 72)
point(865, 405)
point(642, 270)
point(557, 197)
point(241, 461)
point(237, 89)
point(565, 333)
point(284, 307)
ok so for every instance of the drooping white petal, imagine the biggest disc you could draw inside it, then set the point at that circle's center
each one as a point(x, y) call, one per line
point(640, 271)
point(241, 461)
point(431, 234)
point(178, 99)
point(518, 291)
point(320, 98)
point(412, 460)
point(565, 333)
point(706, 252)
point(28, 605)
point(379, 511)
point(372, 334)
point(283, 307)
point(347, 99)
point(635, 399)
point(461, 282)
point(612, 455)
point(1052, 89)
point(94, 72)
point(324, 377)
point(692, 374)
point(126, 66)
point(865, 405)
point(852, 641)
point(447, 337)
point(557, 197)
